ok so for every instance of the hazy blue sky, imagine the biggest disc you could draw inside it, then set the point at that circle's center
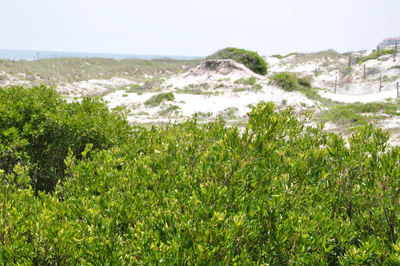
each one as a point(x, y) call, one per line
point(178, 27)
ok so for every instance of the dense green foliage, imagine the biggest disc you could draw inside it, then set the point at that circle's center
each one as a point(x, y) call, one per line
point(157, 99)
point(248, 58)
point(305, 81)
point(374, 55)
point(37, 128)
point(287, 81)
point(278, 193)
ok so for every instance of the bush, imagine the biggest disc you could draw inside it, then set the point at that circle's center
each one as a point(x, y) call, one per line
point(287, 81)
point(250, 81)
point(157, 99)
point(37, 128)
point(219, 86)
point(169, 110)
point(250, 59)
point(275, 193)
point(305, 81)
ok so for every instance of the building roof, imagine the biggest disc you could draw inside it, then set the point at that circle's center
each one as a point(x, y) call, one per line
point(390, 38)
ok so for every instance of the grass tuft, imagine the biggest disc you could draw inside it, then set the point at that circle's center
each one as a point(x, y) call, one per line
point(157, 99)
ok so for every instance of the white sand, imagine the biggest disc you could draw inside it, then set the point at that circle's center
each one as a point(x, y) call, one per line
point(223, 71)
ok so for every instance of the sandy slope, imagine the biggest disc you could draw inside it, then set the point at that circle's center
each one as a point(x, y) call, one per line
point(211, 99)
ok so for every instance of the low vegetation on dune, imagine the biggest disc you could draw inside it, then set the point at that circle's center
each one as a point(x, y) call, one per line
point(344, 115)
point(248, 58)
point(358, 114)
point(281, 57)
point(190, 193)
point(67, 70)
point(374, 55)
point(157, 99)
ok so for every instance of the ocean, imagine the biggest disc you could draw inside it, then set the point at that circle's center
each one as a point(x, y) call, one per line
point(32, 55)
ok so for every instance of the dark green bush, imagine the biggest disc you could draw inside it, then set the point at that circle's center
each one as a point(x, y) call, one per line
point(248, 58)
point(275, 193)
point(37, 128)
point(287, 81)
point(157, 99)
point(305, 81)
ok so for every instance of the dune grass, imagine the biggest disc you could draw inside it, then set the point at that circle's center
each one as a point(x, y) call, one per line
point(357, 114)
point(67, 70)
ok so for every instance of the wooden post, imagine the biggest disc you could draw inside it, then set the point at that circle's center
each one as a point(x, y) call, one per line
point(378, 49)
point(38, 54)
point(316, 72)
point(397, 89)
point(395, 49)
point(335, 84)
point(380, 83)
point(364, 71)
point(349, 59)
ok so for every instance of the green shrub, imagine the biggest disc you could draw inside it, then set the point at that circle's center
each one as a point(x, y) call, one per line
point(169, 110)
point(305, 81)
point(219, 86)
point(37, 128)
point(239, 89)
point(287, 81)
point(132, 87)
point(250, 81)
point(124, 95)
point(257, 87)
point(275, 193)
point(157, 99)
point(250, 59)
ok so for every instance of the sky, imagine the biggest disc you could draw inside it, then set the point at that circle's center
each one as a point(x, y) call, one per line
point(197, 28)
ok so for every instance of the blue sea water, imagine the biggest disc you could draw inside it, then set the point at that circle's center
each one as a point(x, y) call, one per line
point(32, 55)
